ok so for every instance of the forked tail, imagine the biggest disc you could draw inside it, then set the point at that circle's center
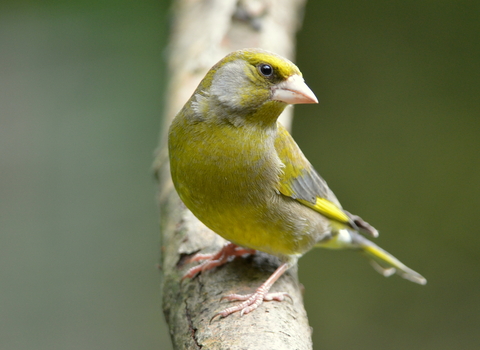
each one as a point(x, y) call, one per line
point(384, 262)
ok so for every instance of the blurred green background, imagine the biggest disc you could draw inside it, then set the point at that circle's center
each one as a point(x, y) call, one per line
point(396, 135)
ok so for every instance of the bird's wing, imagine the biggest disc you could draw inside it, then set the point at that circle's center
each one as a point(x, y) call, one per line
point(300, 181)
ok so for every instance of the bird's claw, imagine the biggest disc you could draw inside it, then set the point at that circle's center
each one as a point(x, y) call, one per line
point(250, 302)
point(210, 261)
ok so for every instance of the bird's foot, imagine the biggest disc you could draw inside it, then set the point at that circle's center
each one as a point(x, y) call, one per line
point(210, 261)
point(254, 300)
point(250, 301)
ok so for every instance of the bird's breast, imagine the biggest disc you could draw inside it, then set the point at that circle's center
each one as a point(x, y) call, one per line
point(225, 167)
point(229, 181)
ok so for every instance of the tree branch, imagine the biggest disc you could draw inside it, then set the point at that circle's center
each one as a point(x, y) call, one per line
point(203, 32)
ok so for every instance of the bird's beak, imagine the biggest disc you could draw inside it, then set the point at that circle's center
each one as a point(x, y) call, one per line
point(293, 91)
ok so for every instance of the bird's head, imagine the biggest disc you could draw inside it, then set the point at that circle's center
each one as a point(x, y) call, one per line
point(251, 84)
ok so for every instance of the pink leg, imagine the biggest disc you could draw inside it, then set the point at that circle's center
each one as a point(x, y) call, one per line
point(254, 300)
point(228, 251)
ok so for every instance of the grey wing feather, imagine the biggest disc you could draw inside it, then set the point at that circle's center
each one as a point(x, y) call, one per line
point(310, 185)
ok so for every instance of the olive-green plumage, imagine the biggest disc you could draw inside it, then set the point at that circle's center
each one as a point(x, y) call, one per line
point(242, 174)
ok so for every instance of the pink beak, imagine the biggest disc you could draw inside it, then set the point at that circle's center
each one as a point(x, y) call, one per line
point(293, 91)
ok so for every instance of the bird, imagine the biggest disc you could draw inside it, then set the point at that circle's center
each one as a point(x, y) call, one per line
point(240, 172)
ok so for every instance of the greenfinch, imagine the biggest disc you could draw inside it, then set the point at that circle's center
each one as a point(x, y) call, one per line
point(241, 173)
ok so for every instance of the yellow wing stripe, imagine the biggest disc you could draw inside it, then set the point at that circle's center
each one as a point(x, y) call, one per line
point(328, 209)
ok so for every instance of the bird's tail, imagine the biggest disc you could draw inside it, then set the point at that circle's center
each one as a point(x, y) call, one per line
point(382, 261)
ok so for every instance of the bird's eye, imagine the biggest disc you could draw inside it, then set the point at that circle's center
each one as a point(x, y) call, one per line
point(266, 70)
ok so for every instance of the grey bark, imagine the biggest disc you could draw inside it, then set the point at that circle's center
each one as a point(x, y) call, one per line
point(203, 32)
